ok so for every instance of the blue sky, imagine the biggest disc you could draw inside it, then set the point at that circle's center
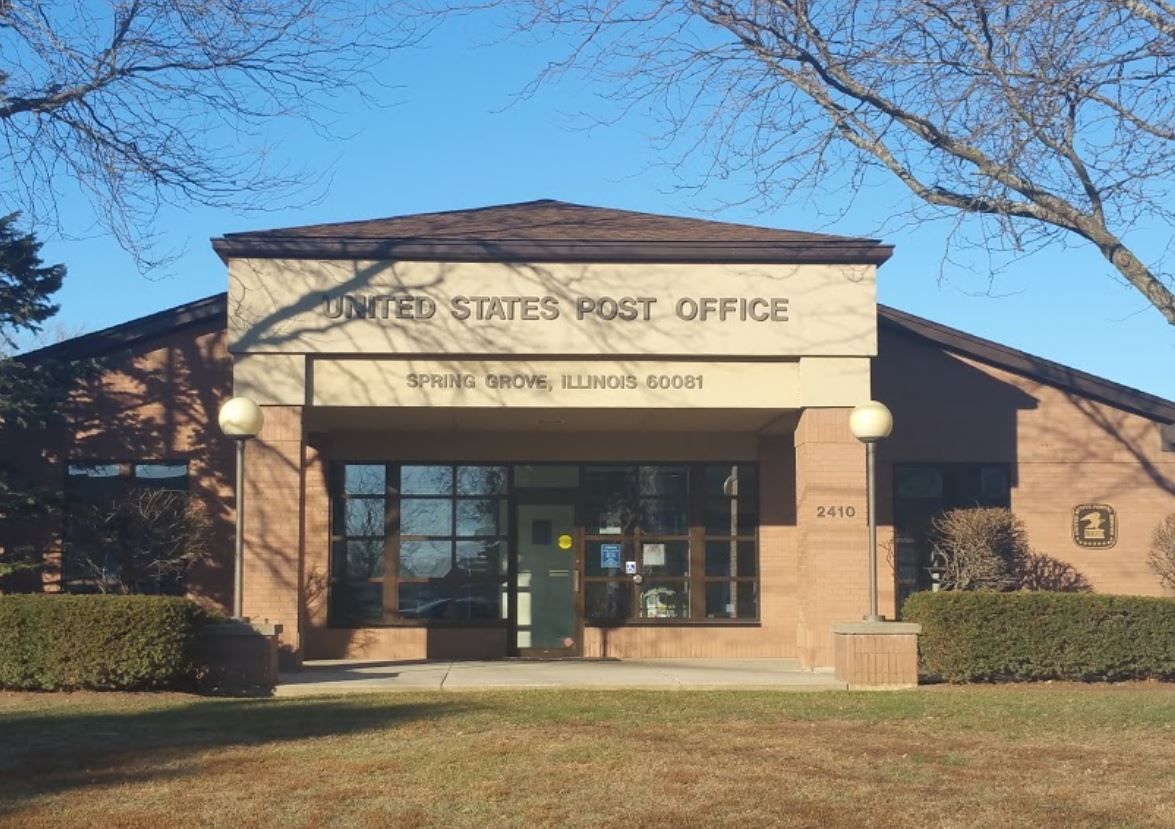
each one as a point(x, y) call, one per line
point(451, 135)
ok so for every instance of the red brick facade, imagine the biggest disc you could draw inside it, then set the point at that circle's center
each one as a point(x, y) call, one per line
point(158, 400)
point(155, 400)
point(1063, 448)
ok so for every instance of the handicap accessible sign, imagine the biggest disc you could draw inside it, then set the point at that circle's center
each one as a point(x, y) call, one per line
point(610, 556)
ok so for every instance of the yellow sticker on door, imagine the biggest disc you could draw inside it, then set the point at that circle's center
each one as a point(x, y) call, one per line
point(565, 542)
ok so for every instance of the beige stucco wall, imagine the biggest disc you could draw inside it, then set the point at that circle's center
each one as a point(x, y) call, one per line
point(279, 306)
point(602, 383)
point(294, 347)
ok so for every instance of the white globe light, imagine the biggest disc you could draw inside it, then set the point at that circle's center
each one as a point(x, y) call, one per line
point(870, 422)
point(240, 417)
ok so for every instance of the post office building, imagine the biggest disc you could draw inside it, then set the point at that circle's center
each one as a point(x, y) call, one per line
point(552, 430)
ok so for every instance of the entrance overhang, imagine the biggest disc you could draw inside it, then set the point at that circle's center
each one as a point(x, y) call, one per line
point(763, 388)
point(374, 419)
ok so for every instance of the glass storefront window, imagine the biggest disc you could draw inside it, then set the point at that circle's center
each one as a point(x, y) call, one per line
point(467, 602)
point(732, 499)
point(365, 558)
point(730, 558)
point(429, 539)
point(481, 516)
point(663, 600)
point(731, 523)
point(425, 559)
point(365, 479)
point(482, 558)
point(364, 517)
point(664, 516)
point(684, 544)
point(546, 476)
point(732, 600)
point(426, 480)
point(426, 516)
point(608, 602)
point(664, 481)
point(481, 480)
point(606, 558)
point(923, 491)
point(421, 542)
point(355, 603)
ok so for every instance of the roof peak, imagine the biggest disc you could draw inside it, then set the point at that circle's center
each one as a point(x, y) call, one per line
point(549, 230)
point(551, 206)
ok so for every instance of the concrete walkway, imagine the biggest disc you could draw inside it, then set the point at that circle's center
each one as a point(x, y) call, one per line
point(346, 677)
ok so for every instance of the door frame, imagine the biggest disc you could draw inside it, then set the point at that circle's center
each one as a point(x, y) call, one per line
point(547, 497)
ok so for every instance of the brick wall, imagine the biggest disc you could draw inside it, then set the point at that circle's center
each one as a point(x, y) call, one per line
point(1063, 450)
point(157, 400)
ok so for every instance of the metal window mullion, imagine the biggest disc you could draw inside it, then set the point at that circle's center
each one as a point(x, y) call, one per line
point(695, 577)
point(391, 579)
point(453, 520)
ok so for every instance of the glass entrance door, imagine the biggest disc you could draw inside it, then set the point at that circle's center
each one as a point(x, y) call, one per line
point(547, 621)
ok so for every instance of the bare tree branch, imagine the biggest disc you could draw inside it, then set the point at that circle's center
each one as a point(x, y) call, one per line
point(148, 103)
point(1048, 119)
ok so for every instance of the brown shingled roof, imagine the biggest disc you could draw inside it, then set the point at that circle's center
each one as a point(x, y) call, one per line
point(548, 230)
point(545, 220)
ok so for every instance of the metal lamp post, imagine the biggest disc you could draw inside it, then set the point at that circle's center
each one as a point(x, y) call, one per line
point(240, 419)
point(870, 422)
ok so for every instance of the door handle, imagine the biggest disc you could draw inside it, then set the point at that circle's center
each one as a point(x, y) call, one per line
point(575, 580)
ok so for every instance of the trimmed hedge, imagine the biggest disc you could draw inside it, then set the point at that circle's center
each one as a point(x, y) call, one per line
point(56, 642)
point(990, 637)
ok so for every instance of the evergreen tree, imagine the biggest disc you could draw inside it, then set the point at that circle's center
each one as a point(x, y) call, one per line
point(31, 392)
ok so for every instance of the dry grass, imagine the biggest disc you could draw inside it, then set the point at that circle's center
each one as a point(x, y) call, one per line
point(1043, 756)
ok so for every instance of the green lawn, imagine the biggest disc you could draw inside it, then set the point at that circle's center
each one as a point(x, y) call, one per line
point(1026, 756)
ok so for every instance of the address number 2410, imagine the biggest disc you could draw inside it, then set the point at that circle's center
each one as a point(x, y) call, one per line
point(836, 512)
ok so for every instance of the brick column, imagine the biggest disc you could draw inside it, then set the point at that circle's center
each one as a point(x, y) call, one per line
point(315, 546)
point(833, 577)
point(273, 526)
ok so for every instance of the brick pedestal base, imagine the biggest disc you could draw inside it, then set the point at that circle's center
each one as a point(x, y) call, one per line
point(879, 655)
point(238, 657)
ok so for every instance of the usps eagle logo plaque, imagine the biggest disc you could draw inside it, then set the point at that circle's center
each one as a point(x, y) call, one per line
point(1095, 525)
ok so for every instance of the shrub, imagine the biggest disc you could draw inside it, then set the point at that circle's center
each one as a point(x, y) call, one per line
point(1037, 571)
point(978, 549)
point(1162, 555)
point(985, 637)
point(58, 642)
point(986, 548)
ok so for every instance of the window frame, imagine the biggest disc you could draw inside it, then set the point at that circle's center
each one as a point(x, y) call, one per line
point(949, 472)
point(636, 543)
point(696, 579)
point(391, 580)
point(126, 478)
